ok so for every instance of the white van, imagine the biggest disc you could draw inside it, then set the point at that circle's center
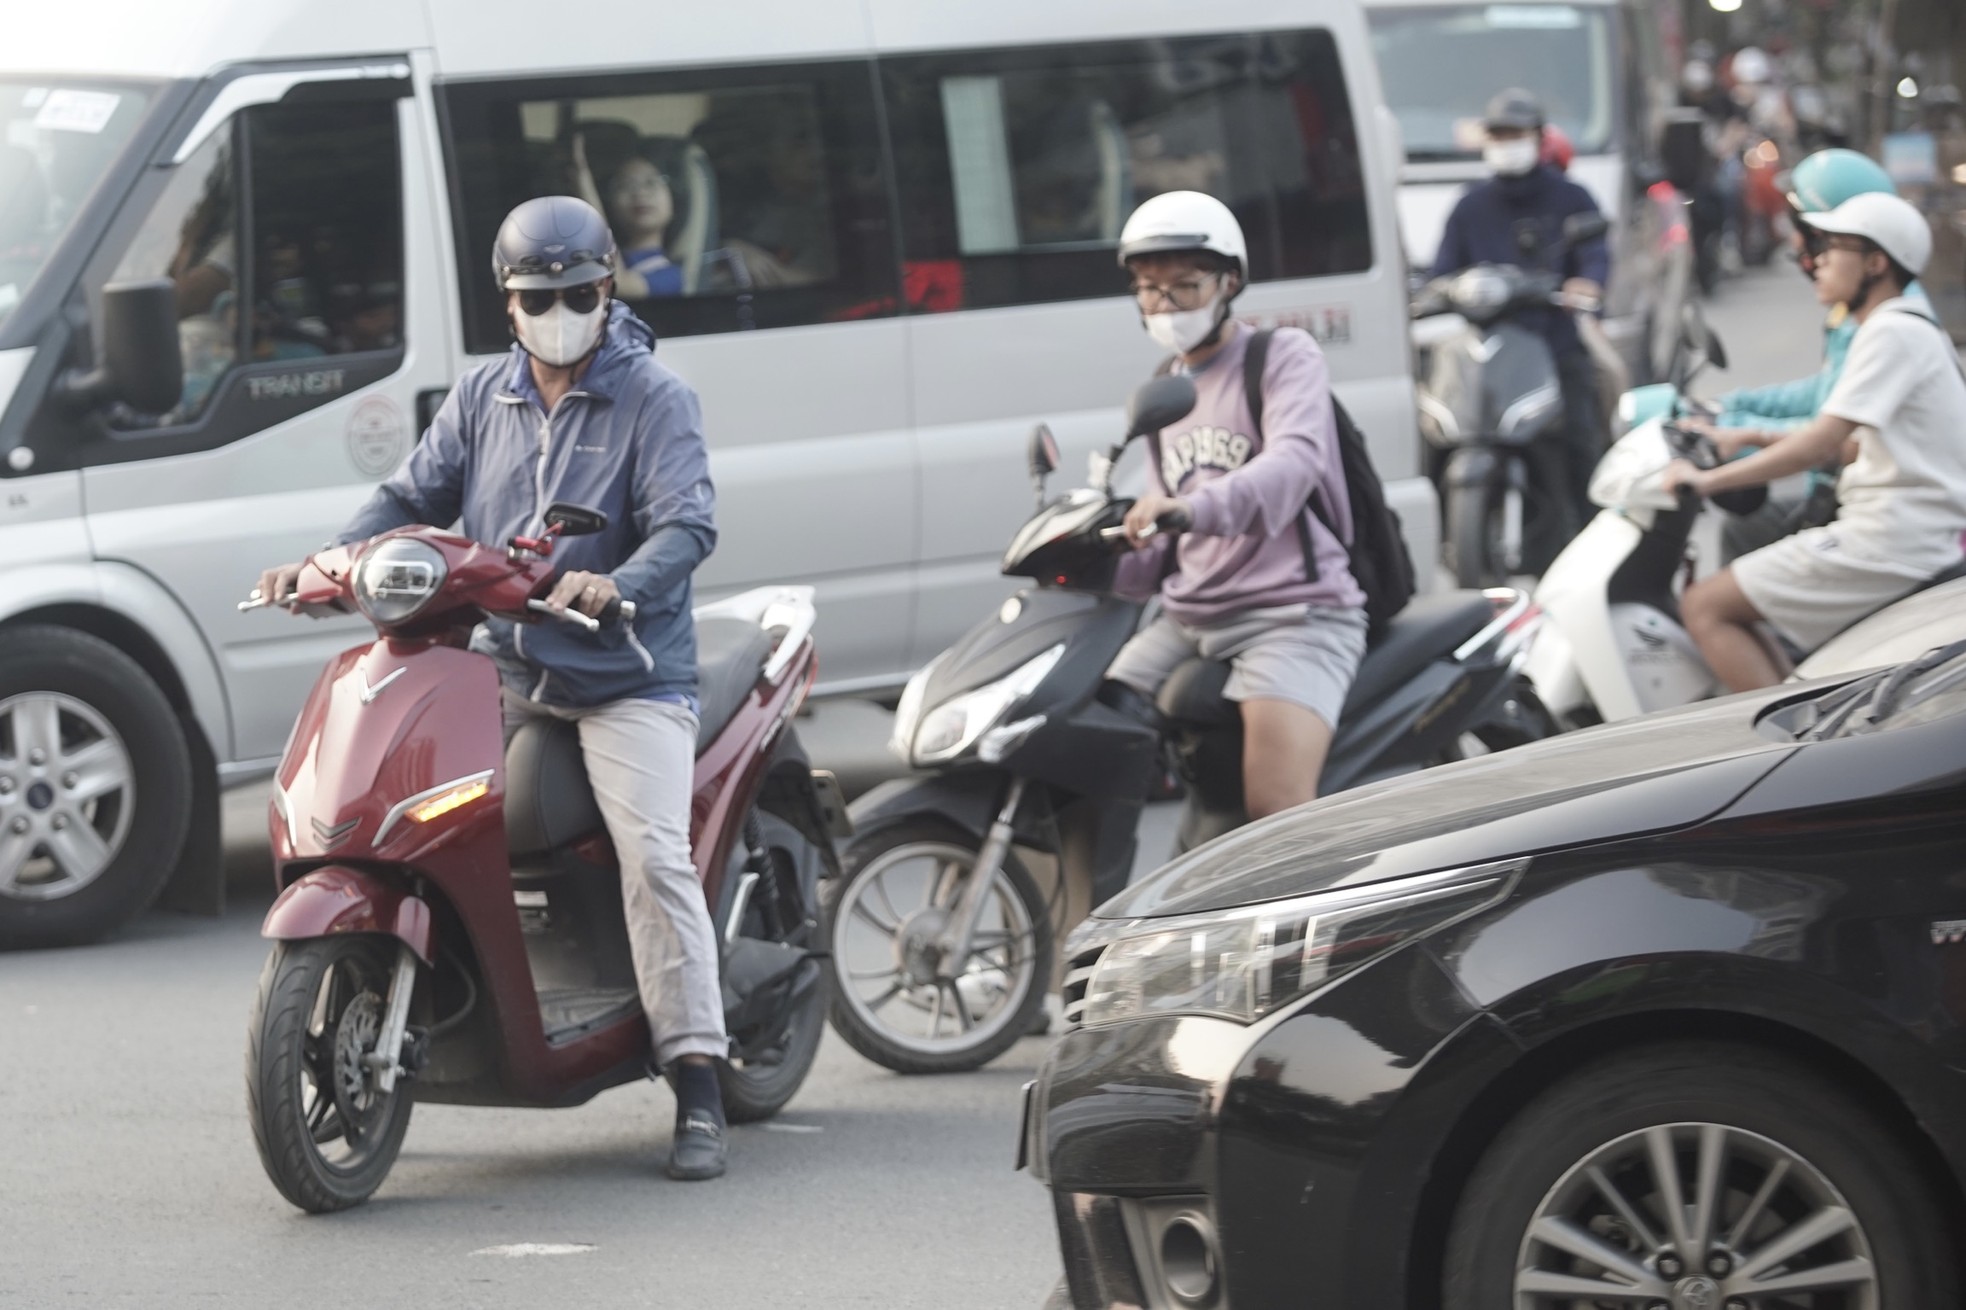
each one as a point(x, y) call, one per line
point(1601, 70)
point(880, 247)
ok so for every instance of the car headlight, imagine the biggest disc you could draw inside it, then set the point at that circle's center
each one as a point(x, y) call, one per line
point(1245, 963)
point(1478, 292)
point(954, 726)
point(397, 577)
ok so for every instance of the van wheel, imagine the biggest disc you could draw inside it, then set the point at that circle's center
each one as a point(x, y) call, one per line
point(1698, 1174)
point(95, 787)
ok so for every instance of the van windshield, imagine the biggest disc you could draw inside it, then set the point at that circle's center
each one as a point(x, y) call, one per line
point(58, 137)
point(1441, 66)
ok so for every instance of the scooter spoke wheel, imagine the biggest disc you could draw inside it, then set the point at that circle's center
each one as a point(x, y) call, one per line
point(897, 997)
point(326, 1131)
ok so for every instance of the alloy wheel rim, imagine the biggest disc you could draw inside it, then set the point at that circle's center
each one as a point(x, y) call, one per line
point(1695, 1216)
point(67, 795)
point(881, 916)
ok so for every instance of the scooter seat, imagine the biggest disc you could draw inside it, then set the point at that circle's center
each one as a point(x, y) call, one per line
point(730, 654)
point(548, 800)
point(1429, 627)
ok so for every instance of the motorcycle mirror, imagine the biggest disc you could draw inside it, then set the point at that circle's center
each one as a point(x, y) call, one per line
point(575, 520)
point(1043, 453)
point(1158, 403)
point(1579, 228)
point(1716, 353)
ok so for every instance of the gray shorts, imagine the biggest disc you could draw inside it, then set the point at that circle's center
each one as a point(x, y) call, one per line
point(1306, 655)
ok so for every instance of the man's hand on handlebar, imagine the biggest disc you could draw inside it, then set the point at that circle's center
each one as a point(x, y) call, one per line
point(276, 585)
point(589, 593)
point(1152, 514)
point(1684, 473)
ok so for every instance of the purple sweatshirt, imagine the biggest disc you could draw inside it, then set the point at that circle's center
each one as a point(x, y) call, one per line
point(1248, 493)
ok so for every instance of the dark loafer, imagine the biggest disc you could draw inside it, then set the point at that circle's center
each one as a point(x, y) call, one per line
point(699, 1151)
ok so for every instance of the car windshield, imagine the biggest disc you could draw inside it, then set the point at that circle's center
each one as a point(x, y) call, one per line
point(58, 138)
point(1442, 65)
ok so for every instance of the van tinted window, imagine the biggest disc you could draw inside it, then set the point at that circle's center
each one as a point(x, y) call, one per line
point(1018, 168)
point(739, 198)
point(1441, 65)
point(323, 188)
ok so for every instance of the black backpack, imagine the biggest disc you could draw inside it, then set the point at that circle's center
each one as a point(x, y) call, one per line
point(1377, 553)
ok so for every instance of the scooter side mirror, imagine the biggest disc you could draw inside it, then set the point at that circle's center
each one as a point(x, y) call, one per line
point(1716, 353)
point(1158, 403)
point(1043, 453)
point(575, 520)
point(1579, 228)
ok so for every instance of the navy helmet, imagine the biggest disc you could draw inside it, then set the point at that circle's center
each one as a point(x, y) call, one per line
point(1514, 109)
point(552, 242)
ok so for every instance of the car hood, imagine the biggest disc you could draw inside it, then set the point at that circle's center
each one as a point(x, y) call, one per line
point(1651, 774)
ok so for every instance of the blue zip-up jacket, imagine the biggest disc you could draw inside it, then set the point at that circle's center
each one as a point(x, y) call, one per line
point(1482, 230)
point(626, 440)
point(1785, 406)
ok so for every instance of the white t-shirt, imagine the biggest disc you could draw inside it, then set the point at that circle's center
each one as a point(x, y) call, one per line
point(1904, 496)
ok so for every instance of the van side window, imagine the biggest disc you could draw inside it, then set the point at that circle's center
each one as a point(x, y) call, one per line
point(738, 198)
point(324, 272)
point(1017, 168)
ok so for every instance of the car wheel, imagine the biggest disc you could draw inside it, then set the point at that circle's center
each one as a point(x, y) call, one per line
point(95, 787)
point(1697, 1175)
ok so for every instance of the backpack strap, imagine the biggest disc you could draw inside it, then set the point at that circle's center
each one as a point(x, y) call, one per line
point(1919, 314)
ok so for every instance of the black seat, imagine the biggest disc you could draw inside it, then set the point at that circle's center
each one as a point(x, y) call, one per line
point(1429, 626)
point(730, 654)
point(548, 801)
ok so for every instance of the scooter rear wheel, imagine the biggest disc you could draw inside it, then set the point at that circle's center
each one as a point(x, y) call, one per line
point(327, 1134)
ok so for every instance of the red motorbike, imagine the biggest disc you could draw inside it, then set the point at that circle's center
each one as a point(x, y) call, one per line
point(449, 925)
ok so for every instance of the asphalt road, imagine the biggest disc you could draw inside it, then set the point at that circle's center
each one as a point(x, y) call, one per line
point(128, 1174)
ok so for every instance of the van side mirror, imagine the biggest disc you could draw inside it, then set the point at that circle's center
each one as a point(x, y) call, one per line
point(1579, 228)
point(575, 520)
point(1159, 403)
point(137, 357)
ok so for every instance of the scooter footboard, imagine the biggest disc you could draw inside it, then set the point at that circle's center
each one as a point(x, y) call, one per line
point(337, 899)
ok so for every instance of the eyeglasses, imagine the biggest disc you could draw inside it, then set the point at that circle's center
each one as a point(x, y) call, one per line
point(1190, 293)
point(1855, 245)
point(583, 299)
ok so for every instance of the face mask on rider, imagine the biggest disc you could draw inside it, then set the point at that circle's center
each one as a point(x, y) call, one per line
point(560, 336)
point(1182, 330)
point(1511, 158)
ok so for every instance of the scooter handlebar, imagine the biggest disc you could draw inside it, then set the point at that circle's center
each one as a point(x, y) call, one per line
point(617, 613)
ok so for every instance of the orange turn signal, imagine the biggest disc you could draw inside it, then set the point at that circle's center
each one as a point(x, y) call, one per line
point(446, 801)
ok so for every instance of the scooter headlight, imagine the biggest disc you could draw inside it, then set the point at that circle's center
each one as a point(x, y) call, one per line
point(1478, 292)
point(396, 578)
point(956, 724)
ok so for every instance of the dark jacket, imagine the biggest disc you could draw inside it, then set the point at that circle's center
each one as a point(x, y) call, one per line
point(1482, 230)
point(627, 440)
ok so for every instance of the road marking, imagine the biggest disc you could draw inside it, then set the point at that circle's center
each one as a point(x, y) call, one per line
point(774, 1126)
point(516, 1249)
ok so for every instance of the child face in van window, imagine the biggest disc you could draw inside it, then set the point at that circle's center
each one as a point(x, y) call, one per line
point(642, 204)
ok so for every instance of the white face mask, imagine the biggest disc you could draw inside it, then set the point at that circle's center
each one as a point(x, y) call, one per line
point(1511, 158)
point(559, 336)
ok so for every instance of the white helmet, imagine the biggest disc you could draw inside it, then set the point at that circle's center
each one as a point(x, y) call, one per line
point(1891, 223)
point(1184, 220)
point(1751, 65)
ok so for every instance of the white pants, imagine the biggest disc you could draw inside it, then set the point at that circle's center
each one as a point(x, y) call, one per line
point(641, 757)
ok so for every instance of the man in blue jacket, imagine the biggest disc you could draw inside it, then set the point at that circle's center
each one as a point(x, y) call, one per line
point(581, 412)
point(1516, 217)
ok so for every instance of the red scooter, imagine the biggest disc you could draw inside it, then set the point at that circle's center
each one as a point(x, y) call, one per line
point(449, 925)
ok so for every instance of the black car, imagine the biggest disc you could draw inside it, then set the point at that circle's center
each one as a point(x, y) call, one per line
point(1664, 1015)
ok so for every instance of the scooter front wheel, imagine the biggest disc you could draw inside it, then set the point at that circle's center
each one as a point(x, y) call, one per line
point(896, 999)
point(326, 1131)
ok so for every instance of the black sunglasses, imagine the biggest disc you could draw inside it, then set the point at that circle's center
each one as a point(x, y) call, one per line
point(583, 299)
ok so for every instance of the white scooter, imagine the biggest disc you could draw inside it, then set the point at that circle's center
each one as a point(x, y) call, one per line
point(1611, 645)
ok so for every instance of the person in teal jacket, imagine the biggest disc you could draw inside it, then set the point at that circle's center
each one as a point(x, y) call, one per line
point(1753, 417)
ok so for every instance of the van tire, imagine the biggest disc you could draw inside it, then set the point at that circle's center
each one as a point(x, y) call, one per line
point(86, 670)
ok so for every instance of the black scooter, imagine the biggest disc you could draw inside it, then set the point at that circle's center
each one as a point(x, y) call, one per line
point(942, 942)
point(1491, 409)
